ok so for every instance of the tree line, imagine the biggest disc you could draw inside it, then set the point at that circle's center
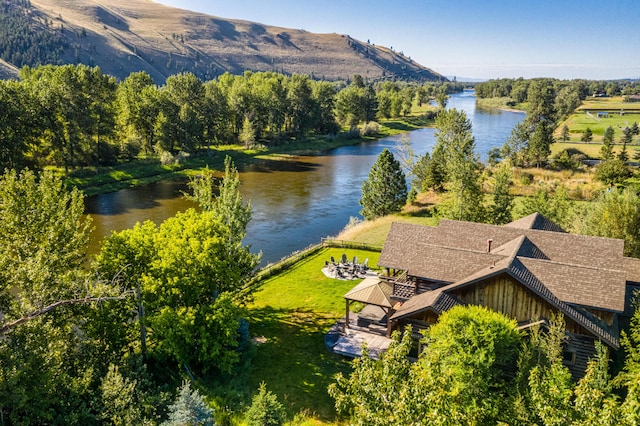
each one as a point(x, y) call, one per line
point(74, 115)
point(99, 341)
point(26, 39)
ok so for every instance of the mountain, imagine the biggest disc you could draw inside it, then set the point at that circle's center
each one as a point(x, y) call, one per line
point(124, 36)
point(7, 70)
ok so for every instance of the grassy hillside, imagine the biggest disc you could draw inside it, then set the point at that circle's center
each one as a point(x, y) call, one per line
point(122, 36)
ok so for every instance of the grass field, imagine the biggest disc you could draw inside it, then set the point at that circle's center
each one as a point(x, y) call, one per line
point(612, 103)
point(291, 314)
point(580, 121)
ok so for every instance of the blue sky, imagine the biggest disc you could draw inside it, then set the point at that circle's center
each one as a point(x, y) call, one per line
point(564, 39)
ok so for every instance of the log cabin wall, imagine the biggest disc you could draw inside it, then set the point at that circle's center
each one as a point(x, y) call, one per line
point(504, 294)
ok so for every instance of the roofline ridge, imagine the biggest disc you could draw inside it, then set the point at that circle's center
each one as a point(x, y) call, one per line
point(594, 268)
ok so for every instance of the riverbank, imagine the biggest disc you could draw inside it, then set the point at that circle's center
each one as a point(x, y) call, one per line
point(144, 171)
point(502, 104)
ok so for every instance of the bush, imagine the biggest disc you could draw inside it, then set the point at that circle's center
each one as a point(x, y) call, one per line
point(566, 161)
point(612, 172)
point(370, 128)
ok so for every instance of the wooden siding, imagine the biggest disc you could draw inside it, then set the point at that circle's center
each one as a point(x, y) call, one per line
point(505, 294)
point(584, 348)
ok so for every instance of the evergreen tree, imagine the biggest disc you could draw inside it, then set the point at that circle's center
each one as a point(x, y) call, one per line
point(565, 133)
point(189, 409)
point(385, 191)
point(587, 136)
point(606, 151)
point(455, 139)
point(265, 409)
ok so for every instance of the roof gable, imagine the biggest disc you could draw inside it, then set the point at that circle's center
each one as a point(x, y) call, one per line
point(535, 221)
point(569, 271)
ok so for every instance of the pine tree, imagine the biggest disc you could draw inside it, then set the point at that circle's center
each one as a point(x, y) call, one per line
point(385, 191)
point(190, 409)
point(606, 151)
point(265, 409)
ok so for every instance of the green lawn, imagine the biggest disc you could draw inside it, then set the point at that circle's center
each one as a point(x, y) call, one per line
point(289, 318)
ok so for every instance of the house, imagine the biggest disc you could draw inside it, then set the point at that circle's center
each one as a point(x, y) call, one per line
point(529, 269)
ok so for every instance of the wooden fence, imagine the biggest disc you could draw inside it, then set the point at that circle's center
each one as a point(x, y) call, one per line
point(288, 261)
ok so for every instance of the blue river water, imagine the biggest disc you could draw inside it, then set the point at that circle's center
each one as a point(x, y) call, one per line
point(298, 201)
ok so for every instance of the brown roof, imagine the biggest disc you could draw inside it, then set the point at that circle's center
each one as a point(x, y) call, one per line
point(373, 292)
point(436, 301)
point(535, 221)
point(572, 272)
point(632, 266)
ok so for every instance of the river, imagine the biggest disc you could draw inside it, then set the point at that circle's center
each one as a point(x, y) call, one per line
point(298, 201)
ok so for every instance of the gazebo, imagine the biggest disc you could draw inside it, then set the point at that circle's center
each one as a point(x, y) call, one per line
point(371, 291)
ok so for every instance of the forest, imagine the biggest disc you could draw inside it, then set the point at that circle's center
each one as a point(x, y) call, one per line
point(72, 116)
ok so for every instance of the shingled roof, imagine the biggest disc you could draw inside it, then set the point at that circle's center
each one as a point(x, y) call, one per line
point(571, 272)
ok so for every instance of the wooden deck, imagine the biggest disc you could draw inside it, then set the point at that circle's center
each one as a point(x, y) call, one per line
point(349, 341)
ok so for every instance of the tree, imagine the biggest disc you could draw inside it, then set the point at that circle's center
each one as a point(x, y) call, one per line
point(43, 239)
point(550, 389)
point(612, 172)
point(595, 402)
point(455, 140)
point(192, 272)
point(374, 392)
point(629, 377)
point(248, 134)
point(385, 190)
point(565, 133)
point(49, 353)
point(555, 205)
point(189, 409)
point(606, 151)
point(461, 376)
point(123, 400)
point(300, 105)
point(21, 120)
point(500, 211)
point(587, 136)
point(265, 409)
point(626, 139)
point(615, 214)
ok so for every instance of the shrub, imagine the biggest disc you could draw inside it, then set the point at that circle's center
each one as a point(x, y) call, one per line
point(370, 128)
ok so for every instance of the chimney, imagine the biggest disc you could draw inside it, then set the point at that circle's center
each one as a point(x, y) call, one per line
point(489, 241)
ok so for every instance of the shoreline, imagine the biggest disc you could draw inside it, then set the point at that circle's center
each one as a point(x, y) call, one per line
point(102, 180)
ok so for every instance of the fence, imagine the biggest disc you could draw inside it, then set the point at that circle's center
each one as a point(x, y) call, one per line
point(296, 256)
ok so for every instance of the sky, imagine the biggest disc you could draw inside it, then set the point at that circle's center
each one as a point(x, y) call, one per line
point(478, 39)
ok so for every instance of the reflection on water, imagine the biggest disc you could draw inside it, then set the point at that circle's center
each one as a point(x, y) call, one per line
point(295, 201)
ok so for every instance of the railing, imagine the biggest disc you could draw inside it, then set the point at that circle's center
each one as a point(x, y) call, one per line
point(330, 242)
point(296, 256)
point(403, 288)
